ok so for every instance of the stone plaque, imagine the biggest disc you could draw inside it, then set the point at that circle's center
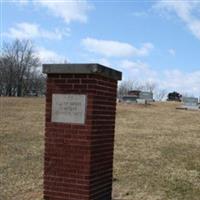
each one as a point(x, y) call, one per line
point(68, 108)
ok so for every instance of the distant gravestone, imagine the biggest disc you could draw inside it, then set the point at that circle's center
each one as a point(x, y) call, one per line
point(129, 99)
point(174, 96)
point(190, 101)
point(148, 96)
point(141, 101)
point(138, 97)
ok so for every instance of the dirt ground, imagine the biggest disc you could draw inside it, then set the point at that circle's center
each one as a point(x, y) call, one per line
point(157, 151)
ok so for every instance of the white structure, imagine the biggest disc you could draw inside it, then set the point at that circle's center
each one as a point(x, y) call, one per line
point(190, 103)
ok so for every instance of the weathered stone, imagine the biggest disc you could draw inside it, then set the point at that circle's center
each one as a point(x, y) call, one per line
point(146, 95)
point(91, 68)
point(68, 108)
point(190, 101)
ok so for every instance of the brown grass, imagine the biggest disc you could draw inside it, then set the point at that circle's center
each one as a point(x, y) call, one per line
point(21, 159)
point(157, 151)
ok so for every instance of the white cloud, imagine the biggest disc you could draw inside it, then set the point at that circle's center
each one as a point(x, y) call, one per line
point(186, 10)
point(69, 11)
point(181, 81)
point(138, 70)
point(30, 31)
point(139, 14)
point(102, 61)
point(111, 48)
point(23, 2)
point(141, 72)
point(48, 56)
point(171, 80)
point(172, 52)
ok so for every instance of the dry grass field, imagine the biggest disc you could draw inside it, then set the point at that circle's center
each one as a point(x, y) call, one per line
point(157, 151)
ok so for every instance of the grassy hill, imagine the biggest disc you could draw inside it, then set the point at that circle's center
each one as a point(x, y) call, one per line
point(157, 151)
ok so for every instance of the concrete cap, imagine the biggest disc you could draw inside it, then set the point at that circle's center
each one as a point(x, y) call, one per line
point(89, 68)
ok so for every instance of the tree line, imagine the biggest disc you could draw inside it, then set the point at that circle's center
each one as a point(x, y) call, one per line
point(126, 86)
point(20, 70)
point(21, 73)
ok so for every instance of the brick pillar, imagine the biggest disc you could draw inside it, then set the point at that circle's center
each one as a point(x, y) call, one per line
point(79, 131)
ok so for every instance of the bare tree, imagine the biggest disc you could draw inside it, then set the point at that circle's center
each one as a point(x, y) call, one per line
point(160, 94)
point(149, 86)
point(18, 64)
point(126, 86)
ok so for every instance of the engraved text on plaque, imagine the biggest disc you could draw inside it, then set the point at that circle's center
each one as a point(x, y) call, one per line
point(68, 108)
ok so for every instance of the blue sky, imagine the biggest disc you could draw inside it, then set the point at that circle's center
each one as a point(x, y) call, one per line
point(157, 41)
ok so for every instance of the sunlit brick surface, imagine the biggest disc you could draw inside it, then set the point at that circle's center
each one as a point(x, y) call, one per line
point(79, 158)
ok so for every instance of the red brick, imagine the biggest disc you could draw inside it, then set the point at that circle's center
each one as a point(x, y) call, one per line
point(78, 158)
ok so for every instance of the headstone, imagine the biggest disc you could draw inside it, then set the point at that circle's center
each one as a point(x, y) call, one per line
point(134, 93)
point(148, 96)
point(190, 101)
point(141, 101)
point(79, 131)
point(129, 99)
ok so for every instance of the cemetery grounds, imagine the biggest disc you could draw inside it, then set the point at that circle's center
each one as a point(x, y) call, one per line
point(157, 151)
